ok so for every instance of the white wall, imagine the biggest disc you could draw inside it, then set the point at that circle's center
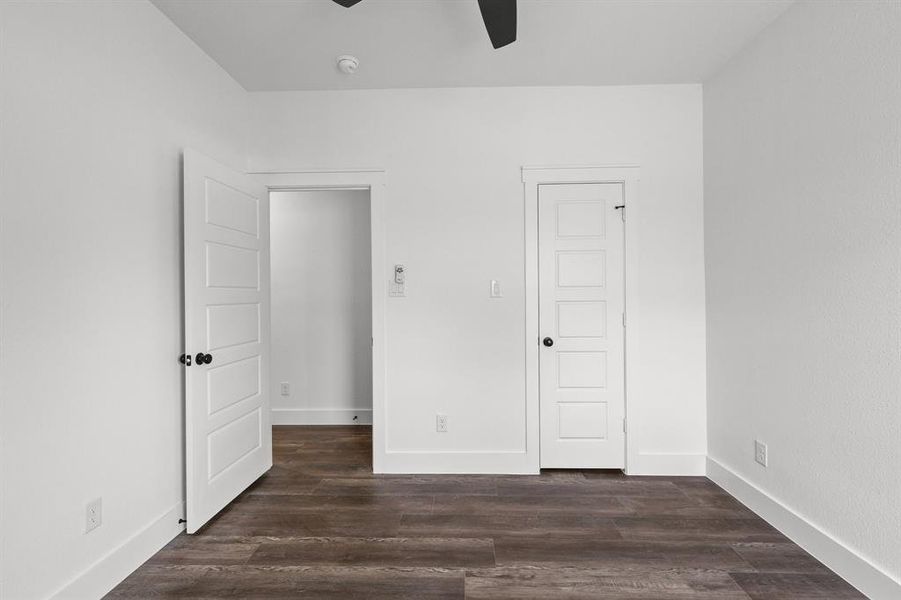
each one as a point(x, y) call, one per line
point(454, 209)
point(803, 236)
point(321, 307)
point(98, 98)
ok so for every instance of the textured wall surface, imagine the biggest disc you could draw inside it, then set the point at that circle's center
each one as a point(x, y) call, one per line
point(803, 252)
point(455, 218)
point(98, 100)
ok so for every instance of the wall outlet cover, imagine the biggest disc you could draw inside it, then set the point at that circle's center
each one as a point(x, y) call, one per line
point(760, 452)
point(93, 515)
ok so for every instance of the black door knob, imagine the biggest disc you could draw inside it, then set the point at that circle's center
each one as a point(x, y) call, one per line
point(203, 359)
point(548, 342)
point(185, 359)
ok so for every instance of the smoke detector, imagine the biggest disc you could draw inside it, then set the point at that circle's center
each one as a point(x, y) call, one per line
point(347, 64)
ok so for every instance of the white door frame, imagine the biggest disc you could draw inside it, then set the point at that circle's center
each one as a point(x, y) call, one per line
point(374, 181)
point(532, 177)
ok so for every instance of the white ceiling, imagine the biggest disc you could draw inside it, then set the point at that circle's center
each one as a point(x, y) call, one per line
point(292, 44)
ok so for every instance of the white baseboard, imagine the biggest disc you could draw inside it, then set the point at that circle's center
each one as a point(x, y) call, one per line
point(105, 574)
point(520, 462)
point(321, 416)
point(455, 463)
point(667, 464)
point(854, 568)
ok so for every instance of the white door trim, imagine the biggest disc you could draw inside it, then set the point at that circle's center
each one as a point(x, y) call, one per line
point(532, 177)
point(374, 181)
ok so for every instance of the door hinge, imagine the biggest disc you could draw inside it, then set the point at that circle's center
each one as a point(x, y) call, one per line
point(624, 319)
point(624, 426)
point(372, 342)
point(622, 209)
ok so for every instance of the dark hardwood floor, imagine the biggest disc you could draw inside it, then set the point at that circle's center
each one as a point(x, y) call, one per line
point(321, 525)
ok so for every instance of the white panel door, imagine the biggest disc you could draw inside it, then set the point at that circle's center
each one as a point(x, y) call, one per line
point(580, 314)
point(227, 421)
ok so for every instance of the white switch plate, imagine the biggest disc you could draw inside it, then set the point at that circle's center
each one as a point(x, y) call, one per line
point(441, 423)
point(286, 388)
point(760, 453)
point(93, 515)
point(397, 290)
point(494, 290)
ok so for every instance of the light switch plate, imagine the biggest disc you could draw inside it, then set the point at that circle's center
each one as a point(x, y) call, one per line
point(397, 290)
point(494, 289)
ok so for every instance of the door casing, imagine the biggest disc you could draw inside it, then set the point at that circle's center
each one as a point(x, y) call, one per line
point(532, 177)
point(374, 181)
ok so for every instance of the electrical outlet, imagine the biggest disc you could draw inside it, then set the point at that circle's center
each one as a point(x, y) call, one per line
point(286, 388)
point(93, 515)
point(441, 423)
point(760, 454)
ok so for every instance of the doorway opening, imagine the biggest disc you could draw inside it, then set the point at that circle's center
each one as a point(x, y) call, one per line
point(321, 369)
point(363, 398)
point(228, 387)
point(321, 312)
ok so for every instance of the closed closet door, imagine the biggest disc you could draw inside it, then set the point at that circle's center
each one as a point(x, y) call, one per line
point(581, 320)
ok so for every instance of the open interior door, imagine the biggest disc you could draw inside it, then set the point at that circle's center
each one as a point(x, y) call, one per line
point(227, 422)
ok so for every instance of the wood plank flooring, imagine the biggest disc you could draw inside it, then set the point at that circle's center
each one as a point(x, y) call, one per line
point(321, 525)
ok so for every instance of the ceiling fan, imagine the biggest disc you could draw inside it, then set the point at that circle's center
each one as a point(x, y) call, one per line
point(499, 17)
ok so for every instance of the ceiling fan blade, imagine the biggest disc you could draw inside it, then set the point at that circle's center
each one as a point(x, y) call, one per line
point(346, 3)
point(500, 21)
